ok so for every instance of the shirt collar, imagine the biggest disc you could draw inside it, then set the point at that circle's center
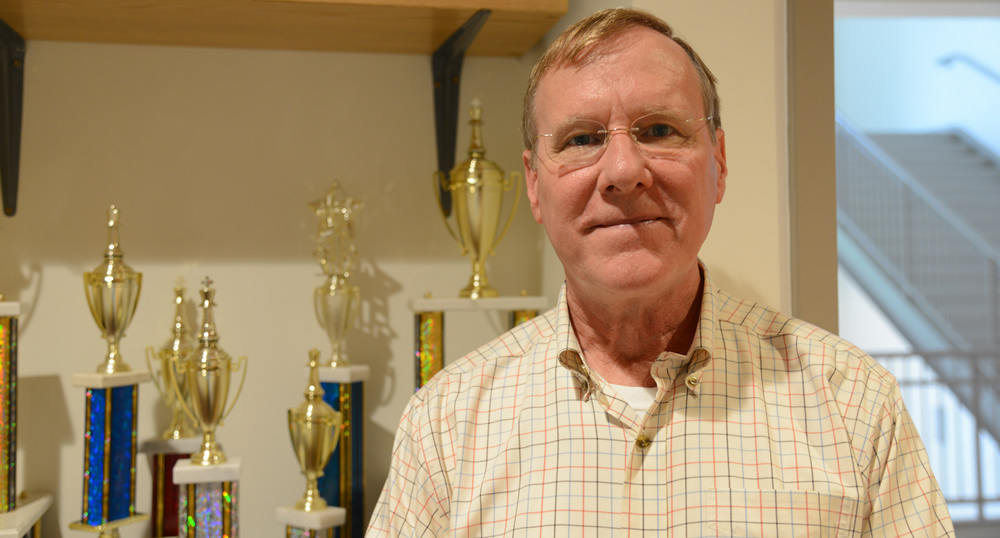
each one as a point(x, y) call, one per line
point(667, 365)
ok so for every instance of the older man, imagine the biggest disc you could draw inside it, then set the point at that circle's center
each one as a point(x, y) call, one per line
point(648, 402)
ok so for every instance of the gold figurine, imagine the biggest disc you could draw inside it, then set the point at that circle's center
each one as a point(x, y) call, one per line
point(336, 301)
point(207, 372)
point(477, 186)
point(182, 344)
point(112, 290)
point(314, 428)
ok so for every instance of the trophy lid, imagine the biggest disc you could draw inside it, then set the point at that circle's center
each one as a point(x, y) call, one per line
point(113, 266)
point(476, 168)
point(182, 342)
point(314, 409)
point(208, 333)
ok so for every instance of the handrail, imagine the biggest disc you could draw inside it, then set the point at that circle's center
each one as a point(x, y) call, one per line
point(917, 188)
point(975, 64)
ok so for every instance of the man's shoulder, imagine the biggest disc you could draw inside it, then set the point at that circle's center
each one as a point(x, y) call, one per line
point(803, 340)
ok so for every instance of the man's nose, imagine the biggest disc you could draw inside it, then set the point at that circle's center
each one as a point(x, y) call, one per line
point(622, 165)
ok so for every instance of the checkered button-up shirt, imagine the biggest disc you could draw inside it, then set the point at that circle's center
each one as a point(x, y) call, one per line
point(769, 426)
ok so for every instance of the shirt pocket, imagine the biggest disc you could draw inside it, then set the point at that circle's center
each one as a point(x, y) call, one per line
point(798, 513)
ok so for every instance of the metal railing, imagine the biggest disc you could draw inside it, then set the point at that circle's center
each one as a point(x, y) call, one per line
point(965, 458)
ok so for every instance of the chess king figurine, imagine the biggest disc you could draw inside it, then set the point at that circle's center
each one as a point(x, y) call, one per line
point(336, 301)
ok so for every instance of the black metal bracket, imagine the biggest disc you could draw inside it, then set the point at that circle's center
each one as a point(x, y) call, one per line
point(446, 68)
point(11, 101)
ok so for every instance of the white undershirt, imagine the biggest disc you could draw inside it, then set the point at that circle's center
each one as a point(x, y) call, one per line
point(638, 398)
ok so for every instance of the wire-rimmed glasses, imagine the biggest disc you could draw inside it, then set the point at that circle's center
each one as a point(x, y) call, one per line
point(582, 142)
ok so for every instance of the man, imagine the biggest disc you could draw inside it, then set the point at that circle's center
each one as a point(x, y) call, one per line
point(648, 402)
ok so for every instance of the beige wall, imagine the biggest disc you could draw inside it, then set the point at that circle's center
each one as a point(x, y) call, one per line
point(212, 155)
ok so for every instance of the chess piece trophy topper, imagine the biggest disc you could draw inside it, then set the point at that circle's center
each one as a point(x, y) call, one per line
point(112, 290)
point(336, 301)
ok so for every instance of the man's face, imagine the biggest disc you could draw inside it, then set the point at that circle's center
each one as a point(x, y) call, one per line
point(627, 224)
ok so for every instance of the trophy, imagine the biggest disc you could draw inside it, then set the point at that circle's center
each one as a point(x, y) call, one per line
point(477, 188)
point(336, 302)
point(207, 372)
point(181, 345)
point(112, 290)
point(315, 429)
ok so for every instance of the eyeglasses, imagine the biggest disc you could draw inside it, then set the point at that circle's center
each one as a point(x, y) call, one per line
point(582, 142)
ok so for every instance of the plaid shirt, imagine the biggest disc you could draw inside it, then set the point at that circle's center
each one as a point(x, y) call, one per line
point(769, 426)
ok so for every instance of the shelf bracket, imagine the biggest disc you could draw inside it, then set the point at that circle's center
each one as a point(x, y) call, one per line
point(11, 100)
point(446, 68)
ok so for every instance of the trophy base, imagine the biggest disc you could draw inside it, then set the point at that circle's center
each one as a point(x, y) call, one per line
point(209, 454)
point(110, 528)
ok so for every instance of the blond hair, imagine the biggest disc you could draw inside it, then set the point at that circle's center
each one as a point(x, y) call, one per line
point(578, 42)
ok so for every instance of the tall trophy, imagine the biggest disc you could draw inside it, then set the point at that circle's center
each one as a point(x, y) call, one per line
point(314, 428)
point(112, 292)
point(180, 346)
point(336, 301)
point(477, 186)
point(207, 372)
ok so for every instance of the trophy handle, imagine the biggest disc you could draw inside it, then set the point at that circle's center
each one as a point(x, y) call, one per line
point(150, 354)
point(516, 178)
point(442, 182)
point(335, 433)
point(241, 361)
point(174, 364)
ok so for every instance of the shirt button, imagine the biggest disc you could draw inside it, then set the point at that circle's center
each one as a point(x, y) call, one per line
point(642, 441)
point(692, 381)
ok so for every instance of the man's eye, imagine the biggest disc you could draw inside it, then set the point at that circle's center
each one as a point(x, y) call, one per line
point(657, 130)
point(581, 140)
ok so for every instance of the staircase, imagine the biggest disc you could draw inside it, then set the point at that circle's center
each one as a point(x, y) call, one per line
point(919, 228)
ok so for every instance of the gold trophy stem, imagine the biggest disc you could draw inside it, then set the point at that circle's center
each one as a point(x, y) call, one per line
point(113, 363)
point(311, 500)
point(209, 453)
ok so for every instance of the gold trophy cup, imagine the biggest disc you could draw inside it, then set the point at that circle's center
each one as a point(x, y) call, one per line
point(181, 345)
point(314, 427)
point(336, 301)
point(207, 372)
point(477, 188)
point(112, 290)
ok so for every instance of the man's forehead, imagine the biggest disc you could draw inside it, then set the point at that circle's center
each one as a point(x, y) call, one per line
point(644, 70)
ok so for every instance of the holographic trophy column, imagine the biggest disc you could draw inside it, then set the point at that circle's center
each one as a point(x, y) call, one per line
point(314, 428)
point(208, 504)
point(178, 440)
point(336, 304)
point(111, 416)
point(19, 516)
point(429, 316)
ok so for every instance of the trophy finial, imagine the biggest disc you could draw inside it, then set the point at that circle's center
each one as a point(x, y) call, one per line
point(335, 251)
point(476, 149)
point(208, 333)
point(114, 249)
point(315, 390)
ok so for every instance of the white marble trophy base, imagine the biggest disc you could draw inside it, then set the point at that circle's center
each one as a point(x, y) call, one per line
point(106, 381)
point(10, 309)
point(186, 472)
point(30, 508)
point(332, 516)
point(343, 374)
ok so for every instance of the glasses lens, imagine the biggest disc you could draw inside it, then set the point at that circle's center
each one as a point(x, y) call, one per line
point(660, 135)
point(579, 142)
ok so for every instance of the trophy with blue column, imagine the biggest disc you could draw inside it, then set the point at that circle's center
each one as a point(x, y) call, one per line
point(336, 303)
point(111, 415)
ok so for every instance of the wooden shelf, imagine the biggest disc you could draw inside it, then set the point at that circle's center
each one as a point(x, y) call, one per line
point(387, 26)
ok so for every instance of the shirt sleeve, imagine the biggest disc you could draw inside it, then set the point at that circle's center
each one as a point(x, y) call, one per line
point(904, 498)
point(411, 504)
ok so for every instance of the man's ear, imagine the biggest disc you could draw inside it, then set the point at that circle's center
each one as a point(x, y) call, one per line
point(721, 169)
point(531, 183)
